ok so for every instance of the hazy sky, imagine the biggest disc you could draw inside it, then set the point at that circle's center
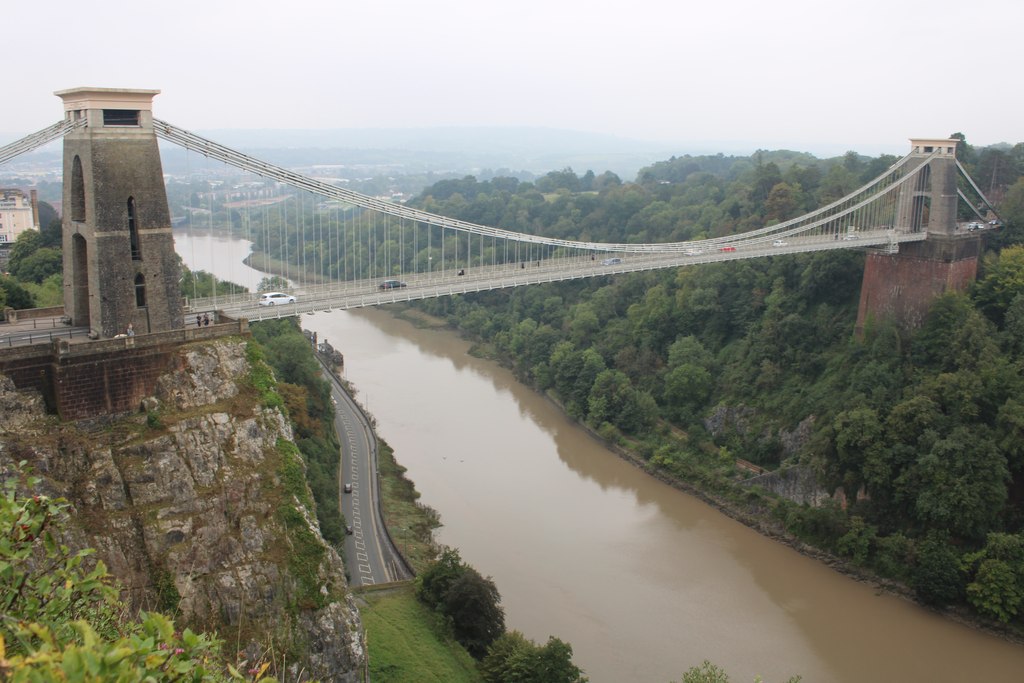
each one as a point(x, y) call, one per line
point(808, 75)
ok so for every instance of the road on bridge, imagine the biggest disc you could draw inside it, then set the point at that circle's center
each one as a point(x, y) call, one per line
point(358, 293)
point(370, 556)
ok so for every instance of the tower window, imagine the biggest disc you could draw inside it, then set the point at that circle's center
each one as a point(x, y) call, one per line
point(133, 231)
point(140, 291)
point(77, 190)
point(120, 117)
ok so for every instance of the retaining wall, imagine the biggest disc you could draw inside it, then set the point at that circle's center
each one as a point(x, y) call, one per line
point(88, 379)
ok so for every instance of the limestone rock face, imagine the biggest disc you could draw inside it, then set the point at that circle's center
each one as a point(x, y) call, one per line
point(187, 507)
point(17, 407)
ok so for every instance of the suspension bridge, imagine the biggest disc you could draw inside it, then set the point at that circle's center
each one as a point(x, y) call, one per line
point(340, 249)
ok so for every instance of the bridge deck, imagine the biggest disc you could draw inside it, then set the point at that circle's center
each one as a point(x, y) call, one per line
point(361, 293)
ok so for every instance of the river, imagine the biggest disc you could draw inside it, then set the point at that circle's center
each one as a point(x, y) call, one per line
point(644, 581)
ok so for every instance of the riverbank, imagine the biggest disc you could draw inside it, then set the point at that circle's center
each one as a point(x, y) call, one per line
point(754, 508)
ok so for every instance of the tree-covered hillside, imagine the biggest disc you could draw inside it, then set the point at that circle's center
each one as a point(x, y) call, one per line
point(921, 431)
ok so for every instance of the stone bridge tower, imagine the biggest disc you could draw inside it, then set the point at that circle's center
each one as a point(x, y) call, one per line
point(902, 286)
point(120, 266)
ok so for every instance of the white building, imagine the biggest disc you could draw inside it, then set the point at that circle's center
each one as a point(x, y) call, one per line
point(18, 213)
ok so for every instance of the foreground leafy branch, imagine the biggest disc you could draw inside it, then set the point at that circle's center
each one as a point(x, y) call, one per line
point(60, 621)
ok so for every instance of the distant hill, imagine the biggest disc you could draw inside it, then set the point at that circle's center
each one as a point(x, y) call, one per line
point(451, 151)
point(461, 151)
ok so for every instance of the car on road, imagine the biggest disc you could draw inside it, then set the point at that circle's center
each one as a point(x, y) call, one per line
point(276, 299)
point(611, 261)
point(728, 247)
point(971, 227)
point(779, 243)
point(348, 488)
point(391, 284)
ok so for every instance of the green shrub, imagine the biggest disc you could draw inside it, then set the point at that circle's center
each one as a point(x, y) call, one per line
point(62, 622)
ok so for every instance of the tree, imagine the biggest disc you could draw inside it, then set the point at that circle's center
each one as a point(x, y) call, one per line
point(199, 283)
point(712, 673)
point(272, 283)
point(996, 591)
point(507, 658)
point(1010, 433)
point(608, 397)
point(473, 604)
point(39, 265)
point(705, 673)
point(689, 350)
point(514, 659)
point(783, 202)
point(933, 345)
point(584, 325)
point(857, 437)
point(1003, 282)
point(687, 388)
point(995, 171)
point(654, 324)
point(936, 576)
point(50, 226)
point(432, 584)
point(26, 244)
point(17, 296)
point(962, 482)
point(766, 176)
point(997, 587)
point(554, 663)
point(470, 601)
point(565, 179)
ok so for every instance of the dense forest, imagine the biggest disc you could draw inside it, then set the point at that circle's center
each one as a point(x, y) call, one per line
point(920, 431)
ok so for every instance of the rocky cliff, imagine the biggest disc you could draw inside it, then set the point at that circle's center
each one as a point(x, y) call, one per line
point(199, 506)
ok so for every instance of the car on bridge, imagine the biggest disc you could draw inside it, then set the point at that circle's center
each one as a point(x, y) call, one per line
point(391, 284)
point(728, 247)
point(276, 298)
point(611, 261)
point(779, 243)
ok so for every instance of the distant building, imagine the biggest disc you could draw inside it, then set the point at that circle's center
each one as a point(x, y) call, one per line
point(18, 213)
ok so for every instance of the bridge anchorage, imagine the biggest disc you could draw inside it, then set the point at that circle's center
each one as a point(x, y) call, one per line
point(120, 265)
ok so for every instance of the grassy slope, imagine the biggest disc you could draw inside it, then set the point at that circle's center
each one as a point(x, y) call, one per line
point(404, 642)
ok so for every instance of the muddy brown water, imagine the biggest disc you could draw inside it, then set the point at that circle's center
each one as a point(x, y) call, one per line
point(643, 580)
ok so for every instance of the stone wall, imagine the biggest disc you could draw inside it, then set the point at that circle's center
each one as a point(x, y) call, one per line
point(901, 287)
point(108, 377)
point(109, 383)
